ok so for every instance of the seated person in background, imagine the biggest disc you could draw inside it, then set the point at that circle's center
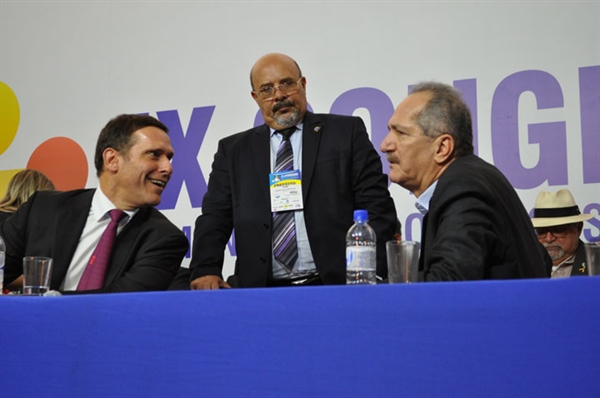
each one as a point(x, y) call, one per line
point(558, 223)
point(133, 163)
point(474, 224)
point(20, 187)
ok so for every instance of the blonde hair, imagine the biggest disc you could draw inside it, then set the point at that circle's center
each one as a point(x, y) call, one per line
point(24, 184)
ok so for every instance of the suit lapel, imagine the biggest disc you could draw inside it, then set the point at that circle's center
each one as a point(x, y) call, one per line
point(260, 150)
point(124, 244)
point(423, 240)
point(311, 137)
point(579, 264)
point(69, 224)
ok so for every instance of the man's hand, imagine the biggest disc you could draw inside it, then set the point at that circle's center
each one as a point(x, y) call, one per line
point(208, 282)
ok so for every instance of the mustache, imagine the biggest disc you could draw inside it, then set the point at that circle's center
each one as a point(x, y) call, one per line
point(553, 246)
point(391, 158)
point(282, 104)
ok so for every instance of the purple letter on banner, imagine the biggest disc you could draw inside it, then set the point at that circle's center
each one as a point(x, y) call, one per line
point(551, 137)
point(185, 162)
point(587, 232)
point(408, 226)
point(589, 100)
point(380, 109)
point(187, 231)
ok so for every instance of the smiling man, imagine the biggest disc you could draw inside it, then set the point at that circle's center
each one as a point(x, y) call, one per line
point(133, 163)
point(338, 170)
point(474, 224)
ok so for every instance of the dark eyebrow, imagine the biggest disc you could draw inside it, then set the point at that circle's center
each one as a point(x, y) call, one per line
point(168, 154)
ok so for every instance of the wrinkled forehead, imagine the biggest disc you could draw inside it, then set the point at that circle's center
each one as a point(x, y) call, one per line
point(273, 71)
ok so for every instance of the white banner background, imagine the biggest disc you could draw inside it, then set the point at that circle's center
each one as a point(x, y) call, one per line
point(74, 65)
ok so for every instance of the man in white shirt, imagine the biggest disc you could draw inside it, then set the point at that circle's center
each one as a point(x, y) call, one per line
point(133, 163)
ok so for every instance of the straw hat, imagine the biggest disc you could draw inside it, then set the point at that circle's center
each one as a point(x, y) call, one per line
point(556, 208)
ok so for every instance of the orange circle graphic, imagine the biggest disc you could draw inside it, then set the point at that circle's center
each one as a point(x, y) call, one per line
point(63, 161)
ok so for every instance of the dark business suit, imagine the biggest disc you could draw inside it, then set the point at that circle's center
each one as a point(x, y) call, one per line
point(477, 228)
point(580, 262)
point(341, 172)
point(4, 215)
point(146, 255)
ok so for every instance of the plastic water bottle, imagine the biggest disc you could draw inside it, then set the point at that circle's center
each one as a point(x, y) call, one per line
point(2, 251)
point(361, 251)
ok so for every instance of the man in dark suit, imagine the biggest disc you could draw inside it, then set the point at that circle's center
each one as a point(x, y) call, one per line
point(340, 172)
point(474, 225)
point(558, 224)
point(132, 161)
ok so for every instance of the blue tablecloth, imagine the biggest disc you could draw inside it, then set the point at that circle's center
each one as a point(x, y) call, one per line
point(526, 338)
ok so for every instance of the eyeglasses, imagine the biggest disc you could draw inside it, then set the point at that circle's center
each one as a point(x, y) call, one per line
point(268, 92)
point(558, 231)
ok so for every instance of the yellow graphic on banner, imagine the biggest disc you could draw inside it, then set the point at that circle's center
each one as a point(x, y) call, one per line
point(10, 115)
point(60, 158)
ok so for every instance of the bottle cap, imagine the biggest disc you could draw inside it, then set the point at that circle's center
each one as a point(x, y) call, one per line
point(361, 215)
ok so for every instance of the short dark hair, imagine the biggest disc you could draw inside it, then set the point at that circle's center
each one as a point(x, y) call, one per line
point(446, 112)
point(118, 132)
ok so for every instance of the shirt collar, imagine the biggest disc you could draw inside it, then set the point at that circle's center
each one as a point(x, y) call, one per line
point(298, 127)
point(422, 203)
point(101, 205)
point(567, 262)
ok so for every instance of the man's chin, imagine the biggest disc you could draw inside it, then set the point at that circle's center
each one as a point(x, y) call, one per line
point(556, 254)
point(154, 200)
point(398, 180)
point(288, 119)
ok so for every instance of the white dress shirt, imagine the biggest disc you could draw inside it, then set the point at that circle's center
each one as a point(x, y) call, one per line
point(97, 221)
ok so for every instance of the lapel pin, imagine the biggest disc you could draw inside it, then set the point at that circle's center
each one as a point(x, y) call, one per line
point(317, 129)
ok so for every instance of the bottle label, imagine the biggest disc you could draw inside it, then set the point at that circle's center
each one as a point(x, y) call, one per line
point(361, 258)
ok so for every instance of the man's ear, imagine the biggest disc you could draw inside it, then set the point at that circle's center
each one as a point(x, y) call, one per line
point(111, 160)
point(445, 149)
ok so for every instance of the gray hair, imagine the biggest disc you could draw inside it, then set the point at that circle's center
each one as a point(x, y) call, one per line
point(446, 112)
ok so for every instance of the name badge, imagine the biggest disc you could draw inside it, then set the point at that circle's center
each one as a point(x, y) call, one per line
point(286, 191)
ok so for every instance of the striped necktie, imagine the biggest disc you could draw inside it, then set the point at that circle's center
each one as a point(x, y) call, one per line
point(285, 247)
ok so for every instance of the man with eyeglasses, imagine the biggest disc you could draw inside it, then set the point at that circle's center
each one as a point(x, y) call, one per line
point(325, 167)
point(558, 224)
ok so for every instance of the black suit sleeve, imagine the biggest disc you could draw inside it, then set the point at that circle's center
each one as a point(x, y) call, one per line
point(463, 236)
point(214, 227)
point(370, 187)
point(152, 262)
point(13, 231)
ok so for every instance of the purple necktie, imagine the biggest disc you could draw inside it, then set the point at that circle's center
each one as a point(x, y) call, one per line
point(95, 271)
point(285, 247)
